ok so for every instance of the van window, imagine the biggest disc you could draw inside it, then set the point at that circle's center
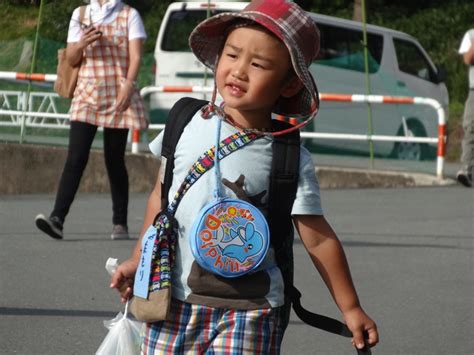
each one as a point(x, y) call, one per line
point(343, 48)
point(411, 60)
point(179, 27)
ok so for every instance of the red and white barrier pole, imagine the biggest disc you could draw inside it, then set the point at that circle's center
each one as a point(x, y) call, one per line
point(380, 99)
point(135, 141)
point(52, 78)
point(26, 76)
point(440, 140)
point(403, 100)
point(147, 90)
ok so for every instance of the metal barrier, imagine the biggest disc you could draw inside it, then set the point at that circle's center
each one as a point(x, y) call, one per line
point(41, 116)
point(9, 75)
point(440, 140)
point(38, 110)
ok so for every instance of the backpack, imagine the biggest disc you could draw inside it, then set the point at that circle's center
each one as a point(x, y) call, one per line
point(282, 193)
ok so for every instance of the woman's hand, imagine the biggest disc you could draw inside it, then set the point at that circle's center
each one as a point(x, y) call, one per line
point(125, 95)
point(75, 50)
point(89, 35)
point(361, 324)
point(123, 277)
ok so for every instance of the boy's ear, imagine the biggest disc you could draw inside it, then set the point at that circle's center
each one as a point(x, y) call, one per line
point(291, 87)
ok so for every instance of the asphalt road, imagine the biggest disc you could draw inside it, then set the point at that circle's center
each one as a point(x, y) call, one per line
point(410, 251)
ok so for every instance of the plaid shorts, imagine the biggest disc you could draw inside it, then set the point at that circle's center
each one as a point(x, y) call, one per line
point(198, 329)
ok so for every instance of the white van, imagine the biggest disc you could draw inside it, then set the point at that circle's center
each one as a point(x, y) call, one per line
point(175, 63)
point(398, 65)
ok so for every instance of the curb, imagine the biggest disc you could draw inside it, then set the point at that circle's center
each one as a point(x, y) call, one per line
point(34, 169)
point(342, 177)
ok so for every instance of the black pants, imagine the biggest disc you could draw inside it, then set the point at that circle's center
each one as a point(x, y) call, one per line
point(81, 136)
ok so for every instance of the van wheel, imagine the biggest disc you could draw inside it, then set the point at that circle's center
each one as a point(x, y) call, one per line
point(411, 150)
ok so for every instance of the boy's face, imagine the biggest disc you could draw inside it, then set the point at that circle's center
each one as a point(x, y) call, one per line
point(253, 70)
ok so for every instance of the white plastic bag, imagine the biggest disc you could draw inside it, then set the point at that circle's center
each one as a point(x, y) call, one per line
point(123, 337)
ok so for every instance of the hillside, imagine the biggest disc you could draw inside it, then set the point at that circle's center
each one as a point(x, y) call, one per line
point(439, 26)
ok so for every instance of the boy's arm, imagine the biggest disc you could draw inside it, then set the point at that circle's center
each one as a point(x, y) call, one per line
point(122, 279)
point(328, 256)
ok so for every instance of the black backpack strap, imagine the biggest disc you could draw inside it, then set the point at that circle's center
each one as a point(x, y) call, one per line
point(321, 322)
point(282, 193)
point(283, 185)
point(178, 117)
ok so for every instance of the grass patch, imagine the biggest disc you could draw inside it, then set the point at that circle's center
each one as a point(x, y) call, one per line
point(16, 36)
point(17, 21)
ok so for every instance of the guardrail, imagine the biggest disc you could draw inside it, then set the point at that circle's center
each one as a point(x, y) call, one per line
point(25, 103)
point(440, 140)
point(9, 75)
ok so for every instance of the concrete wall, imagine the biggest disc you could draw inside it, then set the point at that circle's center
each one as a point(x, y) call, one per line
point(26, 169)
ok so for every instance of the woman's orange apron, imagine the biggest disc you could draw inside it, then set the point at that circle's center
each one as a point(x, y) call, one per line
point(103, 69)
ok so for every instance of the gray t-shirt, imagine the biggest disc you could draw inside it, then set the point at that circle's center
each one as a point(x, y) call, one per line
point(247, 169)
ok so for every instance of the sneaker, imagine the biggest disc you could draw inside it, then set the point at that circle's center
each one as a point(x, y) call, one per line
point(464, 178)
point(119, 232)
point(52, 226)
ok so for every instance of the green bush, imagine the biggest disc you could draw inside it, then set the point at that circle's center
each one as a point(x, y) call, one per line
point(56, 16)
point(440, 31)
point(438, 24)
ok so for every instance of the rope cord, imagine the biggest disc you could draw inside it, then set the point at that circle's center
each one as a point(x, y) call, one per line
point(218, 193)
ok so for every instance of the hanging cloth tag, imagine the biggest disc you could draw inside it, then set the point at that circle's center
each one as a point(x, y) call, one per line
point(142, 275)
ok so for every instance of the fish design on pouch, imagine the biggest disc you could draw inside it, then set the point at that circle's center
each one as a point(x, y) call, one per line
point(244, 243)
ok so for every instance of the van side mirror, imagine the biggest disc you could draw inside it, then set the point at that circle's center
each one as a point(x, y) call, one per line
point(440, 75)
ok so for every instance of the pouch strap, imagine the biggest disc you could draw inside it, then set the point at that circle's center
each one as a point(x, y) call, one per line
point(226, 147)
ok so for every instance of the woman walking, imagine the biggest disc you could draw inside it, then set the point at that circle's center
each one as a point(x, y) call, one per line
point(108, 44)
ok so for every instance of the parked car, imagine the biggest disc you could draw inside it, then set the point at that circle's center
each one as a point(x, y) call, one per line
point(397, 63)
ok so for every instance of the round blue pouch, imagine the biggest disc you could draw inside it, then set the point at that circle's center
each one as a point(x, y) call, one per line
point(230, 237)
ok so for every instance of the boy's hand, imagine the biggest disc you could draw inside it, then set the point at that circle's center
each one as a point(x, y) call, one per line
point(359, 323)
point(122, 279)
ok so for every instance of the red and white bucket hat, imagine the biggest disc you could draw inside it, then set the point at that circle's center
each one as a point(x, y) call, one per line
point(290, 24)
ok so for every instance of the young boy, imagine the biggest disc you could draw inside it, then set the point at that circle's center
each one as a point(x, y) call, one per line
point(260, 58)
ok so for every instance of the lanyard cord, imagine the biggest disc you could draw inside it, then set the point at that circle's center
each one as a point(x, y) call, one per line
point(219, 110)
point(218, 193)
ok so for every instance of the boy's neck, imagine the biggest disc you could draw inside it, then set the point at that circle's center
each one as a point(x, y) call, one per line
point(249, 119)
